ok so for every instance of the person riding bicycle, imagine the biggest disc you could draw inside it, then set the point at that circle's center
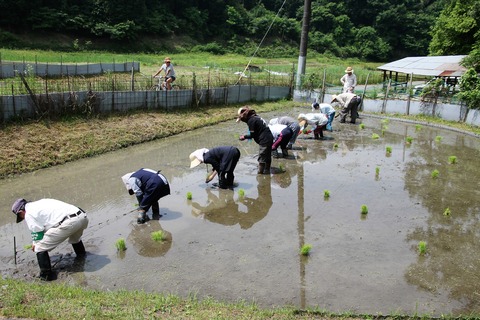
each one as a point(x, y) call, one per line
point(169, 72)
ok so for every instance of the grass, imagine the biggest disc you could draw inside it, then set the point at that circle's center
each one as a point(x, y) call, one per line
point(305, 250)
point(377, 171)
point(435, 174)
point(120, 245)
point(447, 212)
point(375, 136)
point(422, 247)
point(388, 149)
point(409, 139)
point(438, 138)
point(326, 194)
point(452, 159)
point(158, 236)
point(241, 192)
point(362, 125)
point(364, 209)
point(189, 195)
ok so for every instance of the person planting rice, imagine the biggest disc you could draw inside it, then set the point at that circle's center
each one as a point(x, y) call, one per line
point(258, 131)
point(148, 186)
point(317, 121)
point(290, 122)
point(223, 159)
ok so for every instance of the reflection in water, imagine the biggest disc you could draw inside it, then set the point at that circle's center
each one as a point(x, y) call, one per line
point(144, 245)
point(451, 262)
point(223, 208)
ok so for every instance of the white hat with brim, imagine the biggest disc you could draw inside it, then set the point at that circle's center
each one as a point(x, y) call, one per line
point(125, 180)
point(334, 98)
point(196, 157)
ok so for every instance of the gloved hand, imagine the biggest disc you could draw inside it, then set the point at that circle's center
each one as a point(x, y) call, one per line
point(241, 138)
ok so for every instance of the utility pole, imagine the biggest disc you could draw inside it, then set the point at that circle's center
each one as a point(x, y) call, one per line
point(302, 57)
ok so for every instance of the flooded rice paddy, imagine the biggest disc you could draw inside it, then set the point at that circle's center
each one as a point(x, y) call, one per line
point(231, 247)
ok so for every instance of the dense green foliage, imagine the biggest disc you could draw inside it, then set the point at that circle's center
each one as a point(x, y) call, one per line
point(368, 29)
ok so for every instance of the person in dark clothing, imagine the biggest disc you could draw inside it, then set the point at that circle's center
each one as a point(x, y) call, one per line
point(260, 132)
point(223, 159)
point(148, 186)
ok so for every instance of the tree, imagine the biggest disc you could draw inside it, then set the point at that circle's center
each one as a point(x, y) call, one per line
point(457, 28)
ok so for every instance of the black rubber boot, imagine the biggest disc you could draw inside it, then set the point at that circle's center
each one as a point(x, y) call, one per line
point(79, 248)
point(46, 273)
point(261, 168)
point(285, 153)
point(267, 168)
point(142, 217)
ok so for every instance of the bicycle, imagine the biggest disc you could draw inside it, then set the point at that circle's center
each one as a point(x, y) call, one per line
point(162, 85)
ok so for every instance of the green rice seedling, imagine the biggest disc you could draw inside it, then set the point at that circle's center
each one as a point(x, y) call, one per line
point(447, 212)
point(385, 121)
point(383, 132)
point(388, 149)
point(377, 171)
point(305, 250)
point(281, 167)
point(452, 159)
point(438, 138)
point(27, 247)
point(364, 209)
point(326, 194)
point(335, 145)
point(375, 136)
point(241, 193)
point(189, 195)
point(120, 245)
point(158, 236)
point(435, 174)
point(422, 247)
point(409, 139)
point(362, 126)
point(418, 127)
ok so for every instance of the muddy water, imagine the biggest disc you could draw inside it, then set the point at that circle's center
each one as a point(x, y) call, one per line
point(233, 247)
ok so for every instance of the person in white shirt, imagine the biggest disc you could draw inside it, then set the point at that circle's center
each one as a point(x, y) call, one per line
point(317, 121)
point(349, 80)
point(327, 110)
point(51, 222)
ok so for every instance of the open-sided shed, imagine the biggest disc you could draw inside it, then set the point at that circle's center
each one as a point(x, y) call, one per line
point(402, 70)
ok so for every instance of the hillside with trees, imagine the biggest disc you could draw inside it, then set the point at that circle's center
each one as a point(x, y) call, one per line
point(375, 30)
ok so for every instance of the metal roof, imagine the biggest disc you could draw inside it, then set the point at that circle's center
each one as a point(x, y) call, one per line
point(435, 66)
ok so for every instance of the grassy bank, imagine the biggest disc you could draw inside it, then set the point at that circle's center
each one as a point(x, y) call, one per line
point(25, 147)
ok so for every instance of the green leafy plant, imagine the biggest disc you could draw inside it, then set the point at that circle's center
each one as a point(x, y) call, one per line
point(409, 139)
point(388, 149)
point(375, 136)
point(121, 245)
point(377, 171)
point(158, 236)
point(364, 209)
point(305, 250)
point(418, 127)
point(447, 212)
point(362, 126)
point(189, 195)
point(435, 174)
point(241, 192)
point(335, 145)
point(438, 138)
point(422, 247)
point(326, 194)
point(27, 246)
point(281, 167)
point(452, 159)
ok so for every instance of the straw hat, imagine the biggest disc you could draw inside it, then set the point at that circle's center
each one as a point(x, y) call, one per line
point(348, 70)
point(334, 98)
point(196, 157)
